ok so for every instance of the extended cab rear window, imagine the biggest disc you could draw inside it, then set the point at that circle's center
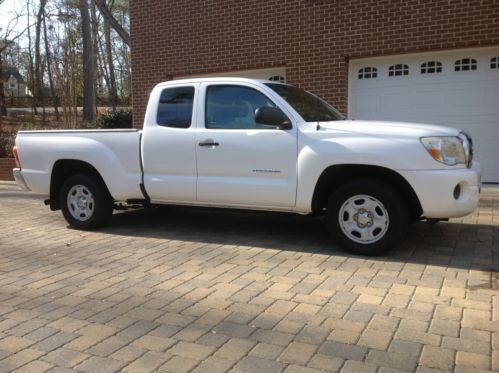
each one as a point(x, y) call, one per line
point(175, 107)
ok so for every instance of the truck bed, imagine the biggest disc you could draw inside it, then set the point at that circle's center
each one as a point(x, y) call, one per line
point(114, 153)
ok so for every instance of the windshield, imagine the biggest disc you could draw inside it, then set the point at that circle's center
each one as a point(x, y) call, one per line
point(310, 107)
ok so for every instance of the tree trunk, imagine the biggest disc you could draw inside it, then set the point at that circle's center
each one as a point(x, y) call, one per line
point(109, 55)
point(38, 60)
point(103, 69)
point(3, 108)
point(31, 74)
point(95, 34)
point(88, 64)
point(49, 70)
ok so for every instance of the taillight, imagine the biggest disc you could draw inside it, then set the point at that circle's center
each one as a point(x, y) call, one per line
point(16, 156)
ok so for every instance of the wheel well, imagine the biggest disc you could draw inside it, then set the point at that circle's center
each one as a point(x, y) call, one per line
point(63, 169)
point(334, 176)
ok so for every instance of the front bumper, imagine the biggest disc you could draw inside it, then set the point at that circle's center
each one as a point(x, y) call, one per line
point(436, 191)
point(18, 176)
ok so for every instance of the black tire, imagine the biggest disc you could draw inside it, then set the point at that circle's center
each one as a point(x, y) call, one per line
point(388, 218)
point(98, 208)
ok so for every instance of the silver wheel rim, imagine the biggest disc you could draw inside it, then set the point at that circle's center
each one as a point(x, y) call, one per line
point(363, 219)
point(81, 204)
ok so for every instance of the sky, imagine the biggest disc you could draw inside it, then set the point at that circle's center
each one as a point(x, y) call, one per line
point(8, 9)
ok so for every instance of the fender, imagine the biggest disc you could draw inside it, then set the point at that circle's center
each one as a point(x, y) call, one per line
point(350, 149)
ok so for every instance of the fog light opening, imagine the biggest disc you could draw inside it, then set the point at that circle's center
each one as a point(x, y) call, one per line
point(457, 192)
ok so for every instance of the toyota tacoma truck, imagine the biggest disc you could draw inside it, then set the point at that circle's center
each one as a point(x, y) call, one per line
point(254, 144)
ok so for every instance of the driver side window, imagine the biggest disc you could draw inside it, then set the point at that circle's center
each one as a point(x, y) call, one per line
point(233, 107)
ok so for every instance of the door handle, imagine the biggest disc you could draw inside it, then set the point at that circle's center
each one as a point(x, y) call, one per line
point(209, 142)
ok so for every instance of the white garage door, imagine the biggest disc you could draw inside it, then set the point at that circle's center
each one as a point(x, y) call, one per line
point(457, 88)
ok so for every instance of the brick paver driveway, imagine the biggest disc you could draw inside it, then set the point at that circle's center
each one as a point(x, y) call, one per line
point(187, 289)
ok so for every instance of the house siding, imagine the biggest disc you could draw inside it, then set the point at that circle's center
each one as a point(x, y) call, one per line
point(314, 40)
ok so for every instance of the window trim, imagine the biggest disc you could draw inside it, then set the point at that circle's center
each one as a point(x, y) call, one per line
point(228, 84)
point(494, 63)
point(393, 69)
point(362, 73)
point(438, 67)
point(472, 64)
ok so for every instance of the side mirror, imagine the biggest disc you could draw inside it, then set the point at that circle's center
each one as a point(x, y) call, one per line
point(272, 116)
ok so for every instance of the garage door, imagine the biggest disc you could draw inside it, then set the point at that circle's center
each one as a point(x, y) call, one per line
point(457, 88)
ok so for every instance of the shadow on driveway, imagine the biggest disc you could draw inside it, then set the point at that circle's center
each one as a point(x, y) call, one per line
point(454, 245)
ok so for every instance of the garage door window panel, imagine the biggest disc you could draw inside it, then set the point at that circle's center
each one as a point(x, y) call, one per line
point(277, 78)
point(494, 62)
point(465, 64)
point(431, 67)
point(398, 70)
point(368, 73)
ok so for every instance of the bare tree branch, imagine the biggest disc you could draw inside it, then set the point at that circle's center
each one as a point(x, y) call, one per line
point(6, 39)
point(106, 13)
point(5, 36)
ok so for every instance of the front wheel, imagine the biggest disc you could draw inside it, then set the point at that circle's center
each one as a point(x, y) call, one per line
point(85, 202)
point(367, 217)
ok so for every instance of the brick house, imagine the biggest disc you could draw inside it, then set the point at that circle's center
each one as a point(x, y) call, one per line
point(427, 61)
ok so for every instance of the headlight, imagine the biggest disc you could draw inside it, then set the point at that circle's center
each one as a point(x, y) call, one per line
point(448, 150)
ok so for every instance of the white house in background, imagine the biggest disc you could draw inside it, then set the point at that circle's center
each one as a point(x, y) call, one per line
point(13, 83)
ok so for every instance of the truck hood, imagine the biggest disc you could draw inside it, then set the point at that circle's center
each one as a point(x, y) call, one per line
point(388, 129)
point(393, 145)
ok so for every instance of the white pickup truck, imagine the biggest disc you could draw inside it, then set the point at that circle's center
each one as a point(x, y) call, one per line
point(252, 144)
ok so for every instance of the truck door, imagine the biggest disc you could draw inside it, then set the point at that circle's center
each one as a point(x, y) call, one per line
point(168, 145)
point(241, 162)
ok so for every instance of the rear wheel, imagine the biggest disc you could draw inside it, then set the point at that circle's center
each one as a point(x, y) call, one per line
point(367, 217)
point(85, 202)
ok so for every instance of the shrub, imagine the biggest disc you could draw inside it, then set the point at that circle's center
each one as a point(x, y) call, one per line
point(118, 119)
point(7, 140)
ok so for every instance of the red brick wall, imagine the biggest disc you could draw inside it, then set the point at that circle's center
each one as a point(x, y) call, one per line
point(313, 39)
point(6, 166)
